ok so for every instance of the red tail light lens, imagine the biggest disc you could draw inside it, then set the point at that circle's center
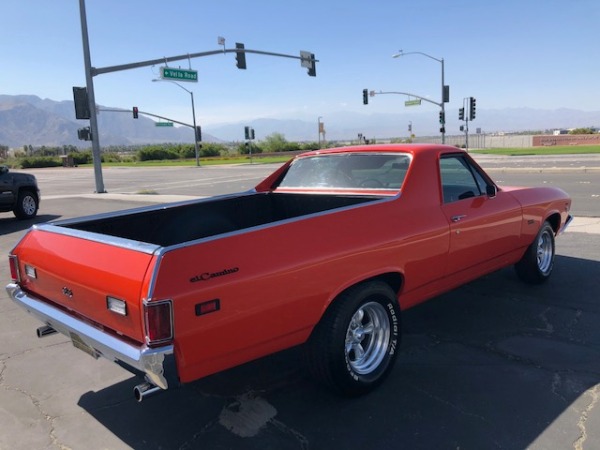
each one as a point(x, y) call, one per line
point(158, 316)
point(13, 262)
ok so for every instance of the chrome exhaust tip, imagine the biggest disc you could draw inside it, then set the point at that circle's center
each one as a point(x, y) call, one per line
point(45, 331)
point(144, 390)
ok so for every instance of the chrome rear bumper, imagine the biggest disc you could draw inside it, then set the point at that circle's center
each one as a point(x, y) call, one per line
point(158, 364)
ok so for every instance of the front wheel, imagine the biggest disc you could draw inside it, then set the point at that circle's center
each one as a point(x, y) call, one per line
point(354, 346)
point(27, 205)
point(536, 264)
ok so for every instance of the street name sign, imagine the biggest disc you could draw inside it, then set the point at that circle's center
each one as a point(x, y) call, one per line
point(414, 102)
point(168, 73)
point(164, 124)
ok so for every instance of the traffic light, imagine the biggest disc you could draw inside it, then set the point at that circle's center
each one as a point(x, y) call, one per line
point(307, 59)
point(472, 108)
point(365, 96)
point(135, 112)
point(312, 69)
point(84, 134)
point(446, 94)
point(252, 133)
point(198, 134)
point(240, 56)
point(442, 118)
point(461, 114)
point(82, 105)
point(247, 133)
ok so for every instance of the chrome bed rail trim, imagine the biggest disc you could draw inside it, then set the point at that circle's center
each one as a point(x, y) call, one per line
point(97, 237)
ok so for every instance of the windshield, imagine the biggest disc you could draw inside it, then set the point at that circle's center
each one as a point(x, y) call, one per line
point(348, 171)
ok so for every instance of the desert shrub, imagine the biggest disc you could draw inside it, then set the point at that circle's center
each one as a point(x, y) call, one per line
point(40, 161)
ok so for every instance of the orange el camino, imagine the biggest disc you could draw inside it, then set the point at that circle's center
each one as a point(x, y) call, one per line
point(326, 252)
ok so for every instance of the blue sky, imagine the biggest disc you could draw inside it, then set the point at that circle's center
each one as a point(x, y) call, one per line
point(508, 54)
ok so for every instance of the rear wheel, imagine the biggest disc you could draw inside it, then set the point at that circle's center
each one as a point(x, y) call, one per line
point(354, 346)
point(27, 205)
point(536, 264)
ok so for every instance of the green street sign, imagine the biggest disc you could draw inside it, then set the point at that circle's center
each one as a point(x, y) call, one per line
point(164, 124)
point(412, 102)
point(168, 73)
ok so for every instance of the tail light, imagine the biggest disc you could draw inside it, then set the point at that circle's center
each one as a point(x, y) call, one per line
point(158, 318)
point(13, 262)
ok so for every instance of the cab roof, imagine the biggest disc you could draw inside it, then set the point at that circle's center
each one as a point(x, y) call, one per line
point(413, 149)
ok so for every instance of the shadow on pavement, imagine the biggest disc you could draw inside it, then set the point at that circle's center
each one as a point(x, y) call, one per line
point(493, 364)
point(12, 224)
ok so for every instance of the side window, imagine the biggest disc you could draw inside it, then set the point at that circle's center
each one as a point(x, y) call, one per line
point(459, 179)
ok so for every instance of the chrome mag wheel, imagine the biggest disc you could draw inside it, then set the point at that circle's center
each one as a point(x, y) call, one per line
point(367, 338)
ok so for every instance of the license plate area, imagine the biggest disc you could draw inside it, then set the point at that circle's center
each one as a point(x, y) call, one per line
point(78, 343)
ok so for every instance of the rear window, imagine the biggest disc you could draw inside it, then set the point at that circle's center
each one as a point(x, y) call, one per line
point(348, 171)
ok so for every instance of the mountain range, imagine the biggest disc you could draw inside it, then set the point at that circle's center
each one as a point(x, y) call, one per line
point(30, 120)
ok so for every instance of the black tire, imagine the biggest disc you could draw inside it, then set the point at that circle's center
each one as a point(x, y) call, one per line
point(537, 263)
point(354, 346)
point(27, 205)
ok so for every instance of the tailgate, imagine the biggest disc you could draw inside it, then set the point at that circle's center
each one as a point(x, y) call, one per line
point(79, 275)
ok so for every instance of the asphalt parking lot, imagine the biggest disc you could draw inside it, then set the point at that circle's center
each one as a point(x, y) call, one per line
point(493, 364)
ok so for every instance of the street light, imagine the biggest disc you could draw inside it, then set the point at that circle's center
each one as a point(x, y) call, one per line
point(193, 117)
point(445, 92)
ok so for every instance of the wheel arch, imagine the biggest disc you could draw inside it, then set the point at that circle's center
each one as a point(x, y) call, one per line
point(394, 280)
point(32, 189)
point(554, 220)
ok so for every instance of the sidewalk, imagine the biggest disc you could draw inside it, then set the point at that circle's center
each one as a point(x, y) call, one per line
point(583, 163)
point(584, 225)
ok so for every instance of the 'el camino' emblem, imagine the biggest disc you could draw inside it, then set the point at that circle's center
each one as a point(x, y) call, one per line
point(68, 292)
point(210, 275)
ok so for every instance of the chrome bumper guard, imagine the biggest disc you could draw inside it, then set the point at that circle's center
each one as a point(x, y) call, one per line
point(158, 364)
point(564, 227)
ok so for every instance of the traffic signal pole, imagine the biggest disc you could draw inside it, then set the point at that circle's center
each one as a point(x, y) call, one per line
point(306, 60)
point(467, 133)
point(128, 111)
point(467, 113)
point(442, 120)
point(92, 101)
point(373, 93)
point(444, 88)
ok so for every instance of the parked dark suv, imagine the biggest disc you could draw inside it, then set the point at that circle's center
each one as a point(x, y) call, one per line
point(19, 193)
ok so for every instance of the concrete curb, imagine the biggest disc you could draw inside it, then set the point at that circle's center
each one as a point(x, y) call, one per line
point(582, 169)
point(130, 197)
point(589, 225)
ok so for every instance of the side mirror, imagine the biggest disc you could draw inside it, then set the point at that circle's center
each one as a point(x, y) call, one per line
point(491, 190)
point(3, 169)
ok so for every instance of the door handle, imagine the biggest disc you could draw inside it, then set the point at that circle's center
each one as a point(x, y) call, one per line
point(458, 218)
